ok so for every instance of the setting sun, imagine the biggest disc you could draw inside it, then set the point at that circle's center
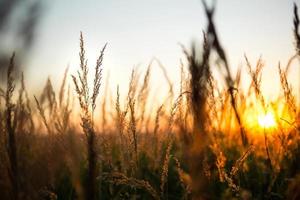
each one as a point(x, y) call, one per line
point(267, 120)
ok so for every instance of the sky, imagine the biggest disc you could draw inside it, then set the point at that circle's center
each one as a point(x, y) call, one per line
point(138, 30)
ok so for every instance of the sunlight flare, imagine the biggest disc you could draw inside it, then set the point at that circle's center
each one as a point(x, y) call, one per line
point(266, 120)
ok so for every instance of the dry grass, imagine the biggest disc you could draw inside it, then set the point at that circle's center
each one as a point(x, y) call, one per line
point(196, 145)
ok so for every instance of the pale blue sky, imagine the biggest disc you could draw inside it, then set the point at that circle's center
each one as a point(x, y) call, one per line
point(137, 30)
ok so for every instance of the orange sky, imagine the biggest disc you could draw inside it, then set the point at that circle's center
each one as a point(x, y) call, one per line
point(137, 31)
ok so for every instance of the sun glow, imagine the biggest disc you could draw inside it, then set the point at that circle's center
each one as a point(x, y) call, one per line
point(266, 120)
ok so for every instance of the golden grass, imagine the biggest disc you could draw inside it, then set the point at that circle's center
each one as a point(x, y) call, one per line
point(199, 144)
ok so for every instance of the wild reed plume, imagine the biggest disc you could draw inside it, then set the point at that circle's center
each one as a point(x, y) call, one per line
point(88, 106)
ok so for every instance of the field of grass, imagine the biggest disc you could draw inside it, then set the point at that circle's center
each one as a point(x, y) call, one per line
point(207, 142)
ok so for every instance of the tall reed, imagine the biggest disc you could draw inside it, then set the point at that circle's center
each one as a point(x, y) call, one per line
point(214, 43)
point(11, 123)
point(88, 104)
